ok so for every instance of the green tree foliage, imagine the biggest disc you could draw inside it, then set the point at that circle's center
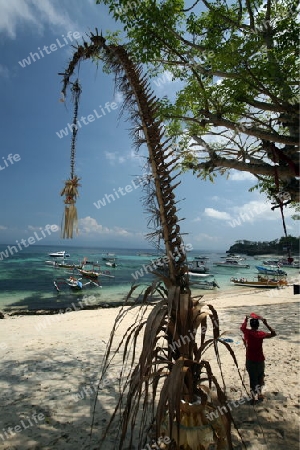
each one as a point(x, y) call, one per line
point(281, 246)
point(237, 105)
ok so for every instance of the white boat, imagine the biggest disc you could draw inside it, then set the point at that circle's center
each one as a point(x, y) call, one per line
point(271, 262)
point(233, 256)
point(62, 254)
point(292, 263)
point(201, 275)
point(111, 264)
point(205, 284)
point(230, 262)
point(198, 267)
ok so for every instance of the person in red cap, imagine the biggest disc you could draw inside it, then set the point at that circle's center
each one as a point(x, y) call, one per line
point(255, 360)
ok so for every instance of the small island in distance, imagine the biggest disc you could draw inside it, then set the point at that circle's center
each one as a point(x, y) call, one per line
point(281, 247)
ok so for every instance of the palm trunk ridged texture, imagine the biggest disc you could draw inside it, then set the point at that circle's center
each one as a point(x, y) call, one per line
point(142, 105)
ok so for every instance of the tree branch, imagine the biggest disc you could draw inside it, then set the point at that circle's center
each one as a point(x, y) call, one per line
point(216, 161)
point(256, 132)
point(226, 18)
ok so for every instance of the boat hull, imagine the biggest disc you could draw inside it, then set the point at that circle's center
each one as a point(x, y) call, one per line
point(233, 266)
point(271, 271)
point(268, 284)
point(196, 274)
point(59, 255)
point(88, 274)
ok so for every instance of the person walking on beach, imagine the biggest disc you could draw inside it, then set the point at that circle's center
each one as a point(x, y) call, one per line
point(255, 360)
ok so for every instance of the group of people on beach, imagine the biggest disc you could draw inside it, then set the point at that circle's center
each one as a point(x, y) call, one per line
point(255, 359)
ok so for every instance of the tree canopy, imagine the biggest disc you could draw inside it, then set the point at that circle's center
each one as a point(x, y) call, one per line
point(237, 104)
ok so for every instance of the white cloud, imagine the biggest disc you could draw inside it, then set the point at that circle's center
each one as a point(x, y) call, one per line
point(203, 237)
point(4, 72)
point(35, 13)
point(220, 215)
point(33, 228)
point(253, 211)
point(115, 158)
point(197, 219)
point(90, 226)
point(236, 175)
point(3, 227)
point(257, 210)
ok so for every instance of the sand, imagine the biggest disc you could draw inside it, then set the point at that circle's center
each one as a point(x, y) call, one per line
point(50, 367)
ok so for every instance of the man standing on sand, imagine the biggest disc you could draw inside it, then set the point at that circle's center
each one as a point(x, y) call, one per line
point(255, 360)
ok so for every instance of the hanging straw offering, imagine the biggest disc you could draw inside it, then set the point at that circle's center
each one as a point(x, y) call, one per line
point(70, 220)
point(70, 190)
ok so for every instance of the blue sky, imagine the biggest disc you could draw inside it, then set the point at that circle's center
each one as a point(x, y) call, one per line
point(32, 117)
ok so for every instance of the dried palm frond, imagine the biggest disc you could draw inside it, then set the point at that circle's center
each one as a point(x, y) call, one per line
point(154, 397)
point(169, 373)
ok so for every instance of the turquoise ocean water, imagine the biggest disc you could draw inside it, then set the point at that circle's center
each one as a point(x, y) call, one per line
point(26, 282)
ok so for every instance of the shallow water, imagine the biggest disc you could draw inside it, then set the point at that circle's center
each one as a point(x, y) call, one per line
point(26, 282)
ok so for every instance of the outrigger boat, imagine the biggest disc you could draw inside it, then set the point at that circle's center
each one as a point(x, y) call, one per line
point(205, 284)
point(74, 283)
point(262, 282)
point(94, 272)
point(89, 273)
point(61, 265)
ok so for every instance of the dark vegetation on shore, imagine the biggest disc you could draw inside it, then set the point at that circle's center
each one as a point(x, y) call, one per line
point(277, 247)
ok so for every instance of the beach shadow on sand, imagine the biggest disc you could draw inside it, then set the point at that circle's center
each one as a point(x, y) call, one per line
point(59, 382)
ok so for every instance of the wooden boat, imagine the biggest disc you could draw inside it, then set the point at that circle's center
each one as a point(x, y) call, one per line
point(73, 283)
point(62, 265)
point(94, 272)
point(261, 282)
point(88, 273)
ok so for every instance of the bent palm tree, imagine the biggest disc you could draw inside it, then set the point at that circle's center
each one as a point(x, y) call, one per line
point(167, 391)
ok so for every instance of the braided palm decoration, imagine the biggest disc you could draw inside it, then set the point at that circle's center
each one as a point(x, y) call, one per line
point(70, 190)
point(142, 406)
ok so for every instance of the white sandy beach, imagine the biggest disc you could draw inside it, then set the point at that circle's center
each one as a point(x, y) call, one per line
point(50, 366)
